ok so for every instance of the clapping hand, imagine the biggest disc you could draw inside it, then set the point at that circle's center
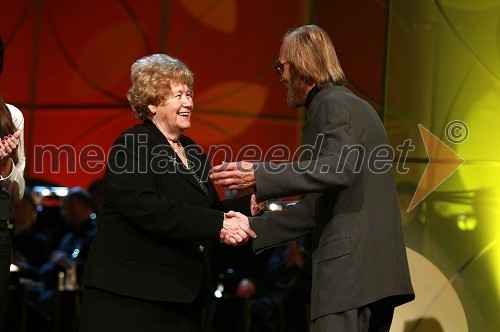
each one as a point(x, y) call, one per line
point(236, 229)
point(8, 146)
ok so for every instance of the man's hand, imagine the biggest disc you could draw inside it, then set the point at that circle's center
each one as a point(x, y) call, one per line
point(236, 230)
point(256, 208)
point(246, 288)
point(235, 175)
point(60, 258)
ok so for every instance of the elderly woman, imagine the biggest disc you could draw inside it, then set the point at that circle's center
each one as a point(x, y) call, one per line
point(148, 268)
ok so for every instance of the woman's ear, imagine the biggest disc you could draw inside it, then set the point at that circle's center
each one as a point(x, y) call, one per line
point(152, 109)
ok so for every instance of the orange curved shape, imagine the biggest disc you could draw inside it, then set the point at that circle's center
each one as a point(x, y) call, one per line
point(236, 97)
point(218, 15)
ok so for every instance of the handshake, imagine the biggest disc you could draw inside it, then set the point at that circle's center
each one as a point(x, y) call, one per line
point(236, 229)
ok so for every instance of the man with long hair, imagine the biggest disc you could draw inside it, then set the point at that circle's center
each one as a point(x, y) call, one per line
point(360, 268)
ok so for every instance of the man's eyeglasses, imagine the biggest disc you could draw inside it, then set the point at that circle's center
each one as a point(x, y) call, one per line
point(281, 68)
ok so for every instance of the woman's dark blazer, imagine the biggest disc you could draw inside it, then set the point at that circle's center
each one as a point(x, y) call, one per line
point(154, 234)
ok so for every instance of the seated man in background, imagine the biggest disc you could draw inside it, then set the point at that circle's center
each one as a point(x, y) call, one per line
point(77, 212)
point(30, 247)
point(280, 290)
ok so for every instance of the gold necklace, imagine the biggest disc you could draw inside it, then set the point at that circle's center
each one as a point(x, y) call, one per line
point(181, 153)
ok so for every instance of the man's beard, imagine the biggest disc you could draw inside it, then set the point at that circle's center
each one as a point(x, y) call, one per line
point(296, 96)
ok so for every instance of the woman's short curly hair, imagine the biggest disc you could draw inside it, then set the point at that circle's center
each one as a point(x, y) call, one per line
point(151, 78)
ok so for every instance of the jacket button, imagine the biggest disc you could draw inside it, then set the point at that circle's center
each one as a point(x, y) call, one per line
point(201, 248)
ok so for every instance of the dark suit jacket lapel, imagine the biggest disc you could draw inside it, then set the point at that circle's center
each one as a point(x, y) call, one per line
point(159, 139)
point(199, 167)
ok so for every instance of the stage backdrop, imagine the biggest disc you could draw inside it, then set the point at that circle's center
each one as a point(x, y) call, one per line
point(67, 66)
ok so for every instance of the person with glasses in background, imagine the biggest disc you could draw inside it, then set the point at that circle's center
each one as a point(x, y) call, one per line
point(12, 163)
point(360, 269)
